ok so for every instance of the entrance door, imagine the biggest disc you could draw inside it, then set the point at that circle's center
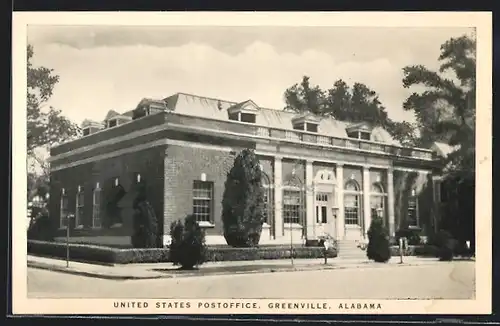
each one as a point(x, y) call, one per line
point(324, 221)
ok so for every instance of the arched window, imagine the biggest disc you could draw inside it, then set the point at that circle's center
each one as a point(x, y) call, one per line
point(268, 199)
point(377, 200)
point(351, 202)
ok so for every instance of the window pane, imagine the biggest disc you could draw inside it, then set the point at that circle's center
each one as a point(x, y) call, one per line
point(351, 209)
point(324, 214)
point(202, 201)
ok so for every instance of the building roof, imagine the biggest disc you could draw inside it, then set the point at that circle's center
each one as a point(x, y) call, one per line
point(217, 109)
point(212, 108)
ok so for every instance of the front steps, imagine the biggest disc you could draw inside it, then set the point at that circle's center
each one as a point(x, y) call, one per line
point(348, 249)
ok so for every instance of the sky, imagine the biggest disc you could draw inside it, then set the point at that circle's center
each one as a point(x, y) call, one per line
point(114, 67)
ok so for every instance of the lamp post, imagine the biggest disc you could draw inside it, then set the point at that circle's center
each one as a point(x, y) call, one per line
point(68, 220)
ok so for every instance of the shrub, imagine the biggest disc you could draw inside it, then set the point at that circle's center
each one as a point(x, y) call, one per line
point(412, 236)
point(145, 223)
point(188, 243)
point(445, 244)
point(378, 242)
point(41, 229)
point(243, 210)
point(101, 254)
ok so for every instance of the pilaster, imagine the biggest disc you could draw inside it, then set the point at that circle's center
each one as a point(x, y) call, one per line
point(310, 222)
point(366, 200)
point(340, 201)
point(278, 180)
point(390, 202)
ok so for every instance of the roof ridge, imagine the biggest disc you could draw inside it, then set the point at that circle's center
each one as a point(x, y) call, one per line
point(205, 97)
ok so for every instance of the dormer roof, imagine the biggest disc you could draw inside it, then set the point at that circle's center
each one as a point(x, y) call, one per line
point(155, 103)
point(306, 117)
point(111, 114)
point(247, 106)
point(90, 123)
point(361, 126)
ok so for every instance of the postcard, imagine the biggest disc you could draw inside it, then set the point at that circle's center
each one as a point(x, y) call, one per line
point(251, 163)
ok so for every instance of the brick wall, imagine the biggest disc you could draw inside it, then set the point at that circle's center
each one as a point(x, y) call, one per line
point(183, 165)
point(149, 163)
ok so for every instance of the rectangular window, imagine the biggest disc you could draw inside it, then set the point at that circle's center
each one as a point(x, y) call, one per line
point(80, 204)
point(364, 135)
point(291, 206)
point(63, 213)
point(312, 127)
point(248, 117)
point(96, 207)
point(299, 126)
point(203, 201)
point(352, 134)
point(321, 208)
point(413, 211)
point(233, 116)
point(351, 209)
point(112, 123)
point(86, 131)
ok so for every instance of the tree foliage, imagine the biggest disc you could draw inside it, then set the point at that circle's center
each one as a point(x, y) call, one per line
point(378, 248)
point(354, 104)
point(44, 128)
point(445, 109)
point(188, 247)
point(145, 222)
point(243, 209)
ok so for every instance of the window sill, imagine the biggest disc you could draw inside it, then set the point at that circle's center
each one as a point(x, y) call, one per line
point(116, 226)
point(96, 227)
point(79, 227)
point(206, 225)
point(266, 226)
point(292, 226)
point(414, 227)
point(62, 228)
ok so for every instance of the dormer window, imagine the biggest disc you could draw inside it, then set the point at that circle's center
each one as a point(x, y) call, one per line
point(90, 127)
point(359, 131)
point(243, 112)
point(147, 107)
point(306, 122)
point(112, 123)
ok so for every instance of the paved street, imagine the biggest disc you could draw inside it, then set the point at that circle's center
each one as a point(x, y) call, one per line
point(445, 280)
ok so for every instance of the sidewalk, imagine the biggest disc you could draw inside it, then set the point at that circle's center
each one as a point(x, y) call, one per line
point(167, 270)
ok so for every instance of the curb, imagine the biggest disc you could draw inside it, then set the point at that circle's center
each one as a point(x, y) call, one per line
point(61, 269)
point(91, 274)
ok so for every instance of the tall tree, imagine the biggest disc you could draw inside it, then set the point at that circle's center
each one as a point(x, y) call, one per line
point(304, 97)
point(44, 127)
point(353, 104)
point(445, 110)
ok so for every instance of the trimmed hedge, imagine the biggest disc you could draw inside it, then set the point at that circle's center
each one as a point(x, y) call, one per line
point(422, 251)
point(100, 254)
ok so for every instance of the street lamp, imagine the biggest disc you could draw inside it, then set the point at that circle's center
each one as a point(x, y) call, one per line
point(68, 220)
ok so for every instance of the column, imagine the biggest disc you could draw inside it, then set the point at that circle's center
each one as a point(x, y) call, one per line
point(390, 202)
point(366, 200)
point(340, 201)
point(310, 229)
point(278, 216)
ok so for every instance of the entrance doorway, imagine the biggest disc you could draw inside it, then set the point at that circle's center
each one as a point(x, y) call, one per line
point(324, 201)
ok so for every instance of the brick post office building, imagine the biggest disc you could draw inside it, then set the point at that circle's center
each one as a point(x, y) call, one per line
point(321, 176)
